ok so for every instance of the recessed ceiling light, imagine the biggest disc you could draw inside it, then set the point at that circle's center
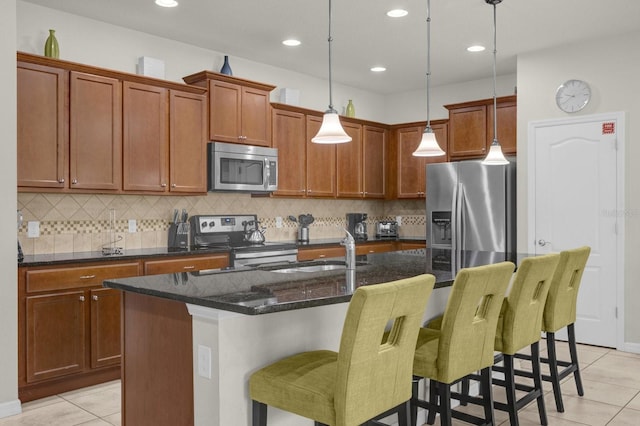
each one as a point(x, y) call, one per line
point(167, 3)
point(475, 48)
point(378, 69)
point(397, 13)
point(291, 42)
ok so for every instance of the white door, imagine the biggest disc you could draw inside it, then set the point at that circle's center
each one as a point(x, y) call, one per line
point(573, 202)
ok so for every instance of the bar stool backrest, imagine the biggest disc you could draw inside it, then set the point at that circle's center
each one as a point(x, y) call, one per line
point(560, 309)
point(469, 323)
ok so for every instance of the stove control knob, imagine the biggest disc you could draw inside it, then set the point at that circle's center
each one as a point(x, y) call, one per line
point(204, 224)
point(212, 224)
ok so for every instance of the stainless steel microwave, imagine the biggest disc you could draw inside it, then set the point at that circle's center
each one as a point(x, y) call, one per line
point(235, 167)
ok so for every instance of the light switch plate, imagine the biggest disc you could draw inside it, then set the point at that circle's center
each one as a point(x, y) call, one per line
point(278, 221)
point(204, 361)
point(133, 226)
point(33, 229)
point(399, 220)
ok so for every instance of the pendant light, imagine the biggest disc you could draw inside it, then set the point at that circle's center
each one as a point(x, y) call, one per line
point(495, 157)
point(428, 144)
point(331, 131)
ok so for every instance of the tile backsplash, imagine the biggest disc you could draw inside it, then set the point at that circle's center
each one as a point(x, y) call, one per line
point(81, 222)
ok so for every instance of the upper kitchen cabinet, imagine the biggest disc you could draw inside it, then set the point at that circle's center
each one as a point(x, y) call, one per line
point(374, 149)
point(239, 109)
point(89, 129)
point(349, 163)
point(409, 172)
point(43, 149)
point(289, 137)
point(471, 127)
point(321, 163)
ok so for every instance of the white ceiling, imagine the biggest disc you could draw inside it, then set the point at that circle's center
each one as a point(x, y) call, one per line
point(363, 36)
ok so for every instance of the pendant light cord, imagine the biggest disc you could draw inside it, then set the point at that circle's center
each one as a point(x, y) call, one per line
point(330, 40)
point(495, 102)
point(428, 59)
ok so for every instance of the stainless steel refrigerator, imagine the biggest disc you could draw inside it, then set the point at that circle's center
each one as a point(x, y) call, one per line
point(471, 208)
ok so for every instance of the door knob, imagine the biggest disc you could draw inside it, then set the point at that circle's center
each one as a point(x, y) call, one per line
point(543, 243)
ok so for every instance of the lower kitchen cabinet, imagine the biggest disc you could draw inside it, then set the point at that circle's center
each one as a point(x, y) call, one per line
point(375, 247)
point(68, 327)
point(186, 264)
point(320, 252)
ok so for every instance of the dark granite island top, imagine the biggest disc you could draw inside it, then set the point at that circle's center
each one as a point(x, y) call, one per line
point(268, 289)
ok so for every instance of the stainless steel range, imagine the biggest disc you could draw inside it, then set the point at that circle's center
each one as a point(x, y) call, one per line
point(241, 234)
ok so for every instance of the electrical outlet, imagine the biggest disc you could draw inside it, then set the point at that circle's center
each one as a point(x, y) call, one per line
point(399, 220)
point(278, 221)
point(133, 227)
point(33, 229)
point(204, 361)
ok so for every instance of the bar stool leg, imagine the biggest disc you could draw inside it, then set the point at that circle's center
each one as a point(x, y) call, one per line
point(509, 383)
point(444, 395)
point(487, 395)
point(537, 382)
point(433, 402)
point(574, 358)
point(553, 367)
point(259, 413)
point(414, 398)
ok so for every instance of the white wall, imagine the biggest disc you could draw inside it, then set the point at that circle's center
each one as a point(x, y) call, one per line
point(610, 67)
point(9, 403)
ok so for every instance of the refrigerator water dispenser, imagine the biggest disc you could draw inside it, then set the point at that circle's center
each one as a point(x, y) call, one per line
point(441, 228)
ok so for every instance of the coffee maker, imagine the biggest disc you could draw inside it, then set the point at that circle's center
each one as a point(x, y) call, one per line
point(357, 225)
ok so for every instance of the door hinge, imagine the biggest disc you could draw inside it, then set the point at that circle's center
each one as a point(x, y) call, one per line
point(616, 312)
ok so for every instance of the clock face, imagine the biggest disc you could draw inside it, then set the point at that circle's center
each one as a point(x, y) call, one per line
point(573, 95)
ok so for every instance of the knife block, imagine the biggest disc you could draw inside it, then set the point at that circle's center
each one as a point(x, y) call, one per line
point(178, 236)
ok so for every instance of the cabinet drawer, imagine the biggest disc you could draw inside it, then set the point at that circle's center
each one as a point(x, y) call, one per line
point(371, 248)
point(77, 277)
point(411, 246)
point(168, 266)
point(320, 253)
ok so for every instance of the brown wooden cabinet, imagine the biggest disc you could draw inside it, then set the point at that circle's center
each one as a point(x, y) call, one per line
point(410, 171)
point(374, 149)
point(239, 109)
point(471, 127)
point(289, 137)
point(42, 116)
point(321, 163)
point(349, 163)
point(95, 130)
point(186, 264)
point(375, 247)
point(323, 252)
point(68, 327)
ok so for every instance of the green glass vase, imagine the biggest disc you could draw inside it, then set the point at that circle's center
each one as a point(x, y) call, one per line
point(51, 48)
point(351, 110)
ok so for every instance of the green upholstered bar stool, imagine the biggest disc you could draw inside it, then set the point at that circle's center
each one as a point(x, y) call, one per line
point(560, 312)
point(519, 327)
point(368, 378)
point(464, 342)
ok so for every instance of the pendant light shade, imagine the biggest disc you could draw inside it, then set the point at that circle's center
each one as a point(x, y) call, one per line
point(428, 144)
point(331, 130)
point(495, 157)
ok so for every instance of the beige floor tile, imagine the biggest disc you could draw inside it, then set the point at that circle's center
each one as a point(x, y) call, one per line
point(101, 403)
point(114, 419)
point(626, 417)
point(59, 414)
point(95, 422)
point(579, 410)
point(635, 402)
point(43, 402)
point(616, 370)
point(531, 418)
point(601, 392)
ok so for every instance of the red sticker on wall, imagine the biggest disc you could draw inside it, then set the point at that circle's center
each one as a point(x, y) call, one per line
point(608, 128)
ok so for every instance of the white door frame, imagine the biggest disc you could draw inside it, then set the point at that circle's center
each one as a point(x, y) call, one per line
point(620, 200)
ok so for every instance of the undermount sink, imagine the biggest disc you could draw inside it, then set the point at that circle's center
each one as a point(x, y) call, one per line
point(311, 268)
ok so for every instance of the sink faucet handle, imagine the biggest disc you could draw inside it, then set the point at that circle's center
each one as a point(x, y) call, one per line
point(348, 239)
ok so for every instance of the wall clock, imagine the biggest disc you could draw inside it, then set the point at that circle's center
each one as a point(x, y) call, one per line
point(573, 95)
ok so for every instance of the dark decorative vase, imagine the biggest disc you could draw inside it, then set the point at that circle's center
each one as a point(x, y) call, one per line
point(51, 48)
point(226, 69)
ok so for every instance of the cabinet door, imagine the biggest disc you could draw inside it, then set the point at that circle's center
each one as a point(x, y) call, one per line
point(507, 131)
point(145, 139)
point(55, 335)
point(42, 126)
point(374, 148)
point(185, 264)
point(224, 111)
point(349, 163)
point(95, 132)
point(187, 142)
point(105, 327)
point(468, 132)
point(289, 136)
point(411, 170)
point(321, 163)
point(255, 117)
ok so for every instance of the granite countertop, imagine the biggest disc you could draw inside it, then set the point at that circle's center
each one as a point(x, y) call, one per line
point(263, 290)
point(96, 256)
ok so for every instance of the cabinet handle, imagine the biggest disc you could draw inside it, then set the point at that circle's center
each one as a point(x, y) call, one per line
point(87, 277)
point(81, 298)
point(74, 182)
point(164, 185)
point(95, 297)
point(189, 267)
point(322, 255)
point(61, 180)
point(173, 185)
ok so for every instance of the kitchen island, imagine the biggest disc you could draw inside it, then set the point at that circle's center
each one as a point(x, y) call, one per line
point(191, 340)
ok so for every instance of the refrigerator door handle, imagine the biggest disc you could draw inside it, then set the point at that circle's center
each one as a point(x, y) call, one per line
point(454, 218)
point(458, 198)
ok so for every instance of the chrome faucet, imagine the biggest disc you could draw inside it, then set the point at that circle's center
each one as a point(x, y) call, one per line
point(349, 244)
